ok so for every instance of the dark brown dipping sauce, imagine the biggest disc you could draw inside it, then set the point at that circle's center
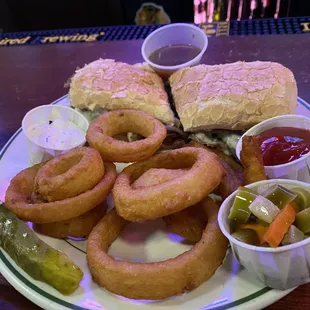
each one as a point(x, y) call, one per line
point(174, 54)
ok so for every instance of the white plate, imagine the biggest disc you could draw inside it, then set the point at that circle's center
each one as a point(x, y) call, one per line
point(232, 287)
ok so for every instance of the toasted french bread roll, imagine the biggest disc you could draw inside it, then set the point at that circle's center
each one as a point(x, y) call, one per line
point(232, 96)
point(110, 85)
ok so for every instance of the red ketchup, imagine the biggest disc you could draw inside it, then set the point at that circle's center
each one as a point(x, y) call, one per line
point(282, 145)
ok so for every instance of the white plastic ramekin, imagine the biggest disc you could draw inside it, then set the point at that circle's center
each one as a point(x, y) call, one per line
point(44, 114)
point(174, 34)
point(298, 169)
point(279, 268)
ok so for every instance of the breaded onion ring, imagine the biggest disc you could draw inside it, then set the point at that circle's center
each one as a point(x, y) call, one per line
point(188, 223)
point(156, 280)
point(19, 193)
point(77, 227)
point(203, 176)
point(69, 174)
point(101, 132)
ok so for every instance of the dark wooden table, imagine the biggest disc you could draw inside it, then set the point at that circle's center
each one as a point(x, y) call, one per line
point(35, 75)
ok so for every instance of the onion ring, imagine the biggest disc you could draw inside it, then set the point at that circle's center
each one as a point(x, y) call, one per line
point(19, 193)
point(163, 199)
point(156, 280)
point(102, 130)
point(188, 223)
point(69, 174)
point(77, 227)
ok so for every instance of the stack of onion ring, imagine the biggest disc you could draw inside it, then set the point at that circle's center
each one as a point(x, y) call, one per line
point(65, 197)
point(169, 184)
point(102, 131)
point(204, 174)
point(70, 174)
point(22, 198)
point(156, 280)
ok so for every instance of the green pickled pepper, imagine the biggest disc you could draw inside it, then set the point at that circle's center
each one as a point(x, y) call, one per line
point(280, 196)
point(302, 201)
point(248, 236)
point(302, 221)
point(240, 212)
point(263, 223)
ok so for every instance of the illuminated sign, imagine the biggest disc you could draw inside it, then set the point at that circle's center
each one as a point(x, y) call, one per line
point(216, 28)
point(72, 38)
point(20, 41)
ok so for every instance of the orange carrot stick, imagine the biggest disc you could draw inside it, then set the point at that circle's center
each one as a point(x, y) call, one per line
point(280, 226)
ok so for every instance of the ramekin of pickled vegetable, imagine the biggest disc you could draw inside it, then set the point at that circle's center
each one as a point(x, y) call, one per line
point(268, 226)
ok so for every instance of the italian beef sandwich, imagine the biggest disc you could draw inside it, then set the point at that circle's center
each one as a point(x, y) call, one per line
point(217, 103)
point(105, 85)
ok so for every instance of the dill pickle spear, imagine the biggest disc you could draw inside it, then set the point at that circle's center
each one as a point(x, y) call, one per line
point(240, 212)
point(280, 196)
point(35, 257)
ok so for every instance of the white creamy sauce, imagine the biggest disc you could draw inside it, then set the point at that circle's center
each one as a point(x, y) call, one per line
point(59, 135)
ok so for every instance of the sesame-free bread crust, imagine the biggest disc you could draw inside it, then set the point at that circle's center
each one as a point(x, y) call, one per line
point(112, 85)
point(232, 96)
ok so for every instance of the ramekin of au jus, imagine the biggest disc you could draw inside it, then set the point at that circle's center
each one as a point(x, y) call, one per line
point(173, 47)
point(285, 145)
point(268, 226)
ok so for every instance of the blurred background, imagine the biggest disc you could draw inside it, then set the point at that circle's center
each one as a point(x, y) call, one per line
point(26, 15)
point(226, 10)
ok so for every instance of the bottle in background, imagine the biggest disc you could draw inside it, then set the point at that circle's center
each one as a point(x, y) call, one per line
point(226, 10)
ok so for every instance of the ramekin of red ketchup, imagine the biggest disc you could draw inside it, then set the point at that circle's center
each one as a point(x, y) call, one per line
point(281, 145)
point(285, 145)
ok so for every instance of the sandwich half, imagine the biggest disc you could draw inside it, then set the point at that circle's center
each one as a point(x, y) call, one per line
point(217, 103)
point(106, 85)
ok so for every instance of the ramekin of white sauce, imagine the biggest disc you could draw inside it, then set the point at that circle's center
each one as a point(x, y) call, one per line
point(51, 130)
